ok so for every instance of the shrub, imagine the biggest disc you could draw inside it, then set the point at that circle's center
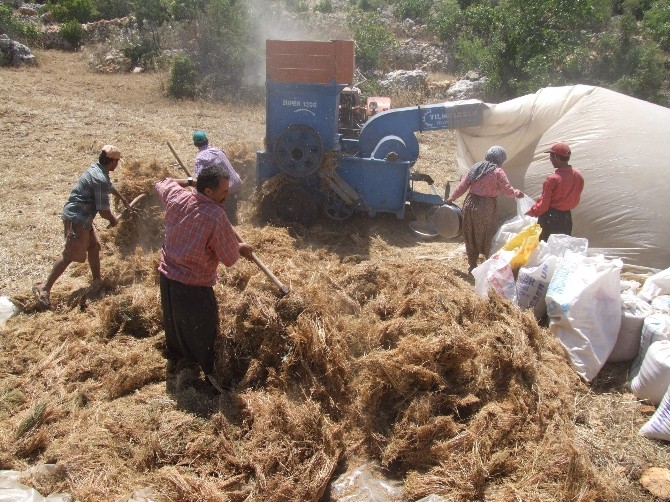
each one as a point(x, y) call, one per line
point(367, 5)
point(371, 39)
point(72, 32)
point(656, 23)
point(139, 48)
point(297, 5)
point(471, 53)
point(412, 9)
point(112, 9)
point(67, 10)
point(14, 28)
point(325, 6)
point(183, 79)
point(446, 20)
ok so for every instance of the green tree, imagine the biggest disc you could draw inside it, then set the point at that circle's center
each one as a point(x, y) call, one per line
point(371, 39)
point(152, 13)
point(187, 9)
point(625, 62)
point(413, 9)
point(223, 44)
point(112, 9)
point(656, 23)
point(540, 42)
point(67, 10)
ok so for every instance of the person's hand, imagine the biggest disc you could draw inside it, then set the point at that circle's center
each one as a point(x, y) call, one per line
point(113, 221)
point(246, 250)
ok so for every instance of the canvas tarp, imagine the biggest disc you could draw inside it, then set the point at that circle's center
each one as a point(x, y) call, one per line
point(619, 143)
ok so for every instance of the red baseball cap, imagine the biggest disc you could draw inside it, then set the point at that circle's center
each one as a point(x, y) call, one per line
point(561, 149)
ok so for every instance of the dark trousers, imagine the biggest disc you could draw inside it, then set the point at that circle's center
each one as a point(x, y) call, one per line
point(191, 321)
point(555, 222)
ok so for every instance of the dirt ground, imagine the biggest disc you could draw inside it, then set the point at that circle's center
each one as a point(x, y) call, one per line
point(55, 118)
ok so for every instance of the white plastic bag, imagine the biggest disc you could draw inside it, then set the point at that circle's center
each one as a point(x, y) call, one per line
point(654, 376)
point(655, 327)
point(496, 273)
point(7, 309)
point(656, 285)
point(514, 225)
point(524, 204)
point(661, 304)
point(584, 307)
point(658, 426)
point(532, 284)
point(634, 310)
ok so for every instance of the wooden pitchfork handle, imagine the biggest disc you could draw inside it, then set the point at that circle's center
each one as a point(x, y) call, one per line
point(130, 206)
point(181, 164)
point(283, 290)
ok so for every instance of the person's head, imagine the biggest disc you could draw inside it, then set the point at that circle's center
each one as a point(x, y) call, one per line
point(213, 182)
point(559, 152)
point(496, 154)
point(200, 138)
point(109, 157)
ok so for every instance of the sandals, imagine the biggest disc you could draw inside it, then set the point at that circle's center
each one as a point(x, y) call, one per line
point(42, 297)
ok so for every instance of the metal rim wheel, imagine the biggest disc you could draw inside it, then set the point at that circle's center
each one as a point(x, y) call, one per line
point(336, 209)
point(298, 151)
point(290, 203)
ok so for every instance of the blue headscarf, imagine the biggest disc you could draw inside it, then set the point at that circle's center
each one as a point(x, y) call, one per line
point(494, 158)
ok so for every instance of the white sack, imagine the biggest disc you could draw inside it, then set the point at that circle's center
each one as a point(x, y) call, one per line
point(496, 274)
point(656, 285)
point(634, 310)
point(584, 307)
point(619, 144)
point(655, 327)
point(514, 225)
point(661, 304)
point(658, 426)
point(532, 284)
point(654, 376)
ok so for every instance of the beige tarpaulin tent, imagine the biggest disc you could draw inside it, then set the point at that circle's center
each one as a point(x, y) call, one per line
point(619, 143)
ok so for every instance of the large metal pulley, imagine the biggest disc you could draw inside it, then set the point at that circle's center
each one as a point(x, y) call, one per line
point(298, 151)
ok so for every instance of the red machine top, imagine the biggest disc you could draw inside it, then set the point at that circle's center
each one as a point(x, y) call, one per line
point(309, 62)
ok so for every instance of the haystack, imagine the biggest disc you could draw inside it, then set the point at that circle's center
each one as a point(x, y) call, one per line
point(368, 357)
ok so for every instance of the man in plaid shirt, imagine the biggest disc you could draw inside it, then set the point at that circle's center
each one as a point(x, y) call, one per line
point(198, 236)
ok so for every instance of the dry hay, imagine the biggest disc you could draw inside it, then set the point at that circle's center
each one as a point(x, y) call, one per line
point(386, 359)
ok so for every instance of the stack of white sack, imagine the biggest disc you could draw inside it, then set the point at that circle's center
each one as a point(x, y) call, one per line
point(580, 293)
point(584, 308)
point(649, 376)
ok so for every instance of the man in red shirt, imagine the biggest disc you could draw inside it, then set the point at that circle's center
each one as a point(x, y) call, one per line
point(560, 193)
point(198, 236)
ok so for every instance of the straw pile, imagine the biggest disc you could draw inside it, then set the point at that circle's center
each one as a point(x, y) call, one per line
point(377, 358)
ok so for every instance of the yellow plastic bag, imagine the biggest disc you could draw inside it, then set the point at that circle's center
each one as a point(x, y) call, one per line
point(523, 244)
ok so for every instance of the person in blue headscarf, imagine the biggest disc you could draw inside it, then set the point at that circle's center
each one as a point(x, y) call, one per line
point(485, 181)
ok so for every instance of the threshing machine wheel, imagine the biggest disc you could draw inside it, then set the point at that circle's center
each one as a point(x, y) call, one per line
point(298, 151)
point(290, 203)
point(335, 208)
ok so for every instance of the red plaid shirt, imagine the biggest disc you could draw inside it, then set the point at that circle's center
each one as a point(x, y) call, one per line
point(198, 236)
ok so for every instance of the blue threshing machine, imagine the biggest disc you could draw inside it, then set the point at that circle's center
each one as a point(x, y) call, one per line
point(309, 165)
